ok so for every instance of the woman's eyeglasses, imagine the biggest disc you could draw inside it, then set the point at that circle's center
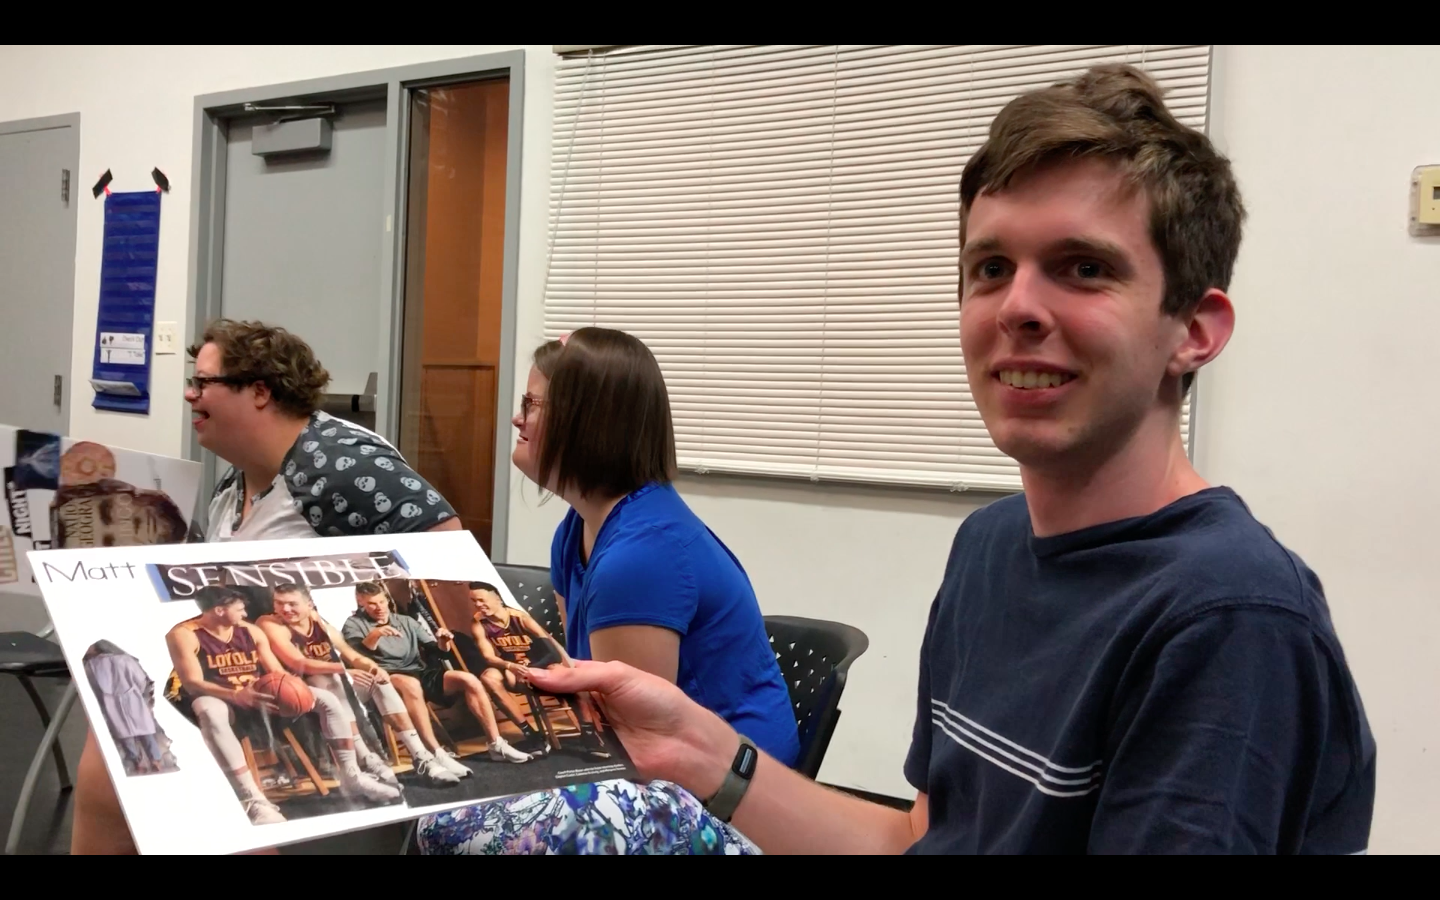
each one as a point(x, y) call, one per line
point(528, 403)
point(197, 383)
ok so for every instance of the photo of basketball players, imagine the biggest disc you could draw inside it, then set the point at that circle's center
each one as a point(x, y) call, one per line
point(455, 647)
point(328, 683)
point(311, 647)
point(509, 640)
point(260, 722)
point(127, 700)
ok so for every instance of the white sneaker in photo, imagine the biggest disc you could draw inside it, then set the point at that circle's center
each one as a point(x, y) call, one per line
point(358, 785)
point(501, 751)
point(373, 764)
point(452, 765)
point(263, 812)
point(432, 771)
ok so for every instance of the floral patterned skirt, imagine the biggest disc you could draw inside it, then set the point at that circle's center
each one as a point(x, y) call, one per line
point(610, 817)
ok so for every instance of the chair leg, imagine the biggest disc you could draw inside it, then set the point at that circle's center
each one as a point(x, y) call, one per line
point(445, 737)
point(393, 744)
point(247, 747)
point(305, 761)
point(27, 787)
point(501, 708)
point(60, 767)
point(542, 719)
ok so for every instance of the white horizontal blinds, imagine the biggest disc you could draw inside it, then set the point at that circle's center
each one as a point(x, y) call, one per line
point(779, 224)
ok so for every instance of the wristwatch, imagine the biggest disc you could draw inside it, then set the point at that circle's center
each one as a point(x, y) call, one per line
point(737, 780)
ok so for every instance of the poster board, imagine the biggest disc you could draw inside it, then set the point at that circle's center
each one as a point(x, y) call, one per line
point(134, 616)
point(60, 492)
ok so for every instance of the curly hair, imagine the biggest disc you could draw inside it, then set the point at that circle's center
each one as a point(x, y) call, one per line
point(253, 352)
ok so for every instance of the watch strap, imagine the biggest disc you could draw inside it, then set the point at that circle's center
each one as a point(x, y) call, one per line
point(737, 780)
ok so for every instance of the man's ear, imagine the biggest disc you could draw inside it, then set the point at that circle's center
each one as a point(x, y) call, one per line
point(260, 394)
point(1207, 331)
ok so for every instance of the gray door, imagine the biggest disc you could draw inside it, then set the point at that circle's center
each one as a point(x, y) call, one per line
point(303, 241)
point(37, 270)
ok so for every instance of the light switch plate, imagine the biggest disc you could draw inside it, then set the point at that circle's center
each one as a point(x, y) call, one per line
point(1425, 201)
point(166, 341)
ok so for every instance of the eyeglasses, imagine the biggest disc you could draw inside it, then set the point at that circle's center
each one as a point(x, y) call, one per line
point(197, 383)
point(527, 403)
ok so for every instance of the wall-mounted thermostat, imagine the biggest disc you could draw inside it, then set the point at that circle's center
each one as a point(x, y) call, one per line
point(1425, 201)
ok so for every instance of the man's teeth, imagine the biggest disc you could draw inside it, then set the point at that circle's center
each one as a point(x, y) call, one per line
point(1027, 380)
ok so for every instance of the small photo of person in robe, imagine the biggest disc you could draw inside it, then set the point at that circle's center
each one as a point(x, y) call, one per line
point(127, 699)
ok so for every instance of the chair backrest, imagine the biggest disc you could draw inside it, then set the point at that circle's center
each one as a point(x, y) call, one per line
point(534, 592)
point(814, 657)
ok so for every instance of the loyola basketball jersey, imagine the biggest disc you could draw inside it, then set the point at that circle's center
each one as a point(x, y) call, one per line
point(233, 663)
point(315, 644)
point(510, 640)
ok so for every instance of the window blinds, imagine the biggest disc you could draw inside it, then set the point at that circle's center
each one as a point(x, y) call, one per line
point(779, 224)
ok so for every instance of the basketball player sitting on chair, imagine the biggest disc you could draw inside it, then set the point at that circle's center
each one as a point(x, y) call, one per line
point(218, 656)
point(510, 639)
point(311, 647)
point(399, 645)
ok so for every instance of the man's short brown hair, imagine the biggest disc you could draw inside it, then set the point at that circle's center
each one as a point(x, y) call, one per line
point(607, 429)
point(252, 352)
point(1117, 113)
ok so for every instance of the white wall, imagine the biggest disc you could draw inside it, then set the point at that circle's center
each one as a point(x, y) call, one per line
point(1330, 289)
point(1322, 412)
point(136, 110)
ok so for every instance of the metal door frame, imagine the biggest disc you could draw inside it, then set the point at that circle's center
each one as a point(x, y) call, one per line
point(207, 228)
point(72, 207)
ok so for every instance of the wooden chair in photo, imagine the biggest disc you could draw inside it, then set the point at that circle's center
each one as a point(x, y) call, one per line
point(533, 591)
point(283, 759)
point(531, 587)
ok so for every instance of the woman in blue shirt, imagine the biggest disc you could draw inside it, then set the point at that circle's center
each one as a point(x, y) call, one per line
point(639, 579)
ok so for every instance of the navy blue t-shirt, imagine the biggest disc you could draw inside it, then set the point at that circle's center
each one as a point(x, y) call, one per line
point(1165, 684)
point(655, 563)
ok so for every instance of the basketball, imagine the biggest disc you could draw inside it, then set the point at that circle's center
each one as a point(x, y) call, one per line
point(292, 695)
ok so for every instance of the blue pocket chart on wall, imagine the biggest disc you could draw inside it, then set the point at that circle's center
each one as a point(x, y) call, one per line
point(126, 321)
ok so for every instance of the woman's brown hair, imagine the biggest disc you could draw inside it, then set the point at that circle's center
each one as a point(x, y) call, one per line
point(607, 429)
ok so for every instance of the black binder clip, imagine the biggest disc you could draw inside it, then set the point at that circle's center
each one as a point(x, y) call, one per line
point(161, 182)
point(102, 184)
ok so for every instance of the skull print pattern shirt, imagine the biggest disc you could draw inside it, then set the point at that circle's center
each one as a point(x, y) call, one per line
point(338, 479)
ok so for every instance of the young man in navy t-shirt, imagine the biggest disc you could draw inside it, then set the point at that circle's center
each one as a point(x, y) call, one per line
point(1122, 659)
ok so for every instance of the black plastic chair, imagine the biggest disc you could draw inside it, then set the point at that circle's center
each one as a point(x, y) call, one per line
point(534, 592)
point(28, 656)
point(814, 657)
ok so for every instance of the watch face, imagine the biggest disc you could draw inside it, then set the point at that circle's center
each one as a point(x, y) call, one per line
point(745, 761)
